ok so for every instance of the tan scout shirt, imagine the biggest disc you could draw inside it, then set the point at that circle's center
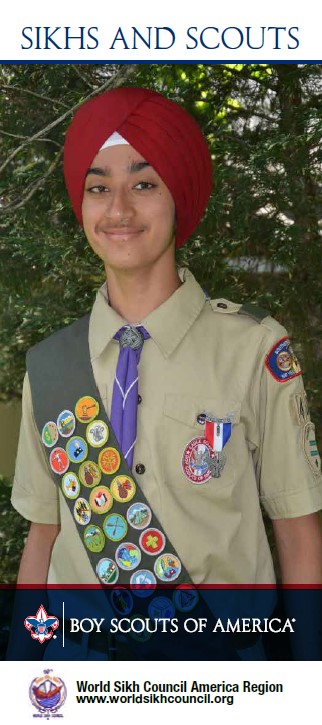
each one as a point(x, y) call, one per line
point(200, 357)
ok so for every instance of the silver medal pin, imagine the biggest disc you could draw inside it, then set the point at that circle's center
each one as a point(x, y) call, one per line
point(216, 464)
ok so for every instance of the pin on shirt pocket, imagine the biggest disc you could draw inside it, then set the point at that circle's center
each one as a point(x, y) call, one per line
point(198, 433)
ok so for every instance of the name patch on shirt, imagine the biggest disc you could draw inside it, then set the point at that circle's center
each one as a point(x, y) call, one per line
point(282, 362)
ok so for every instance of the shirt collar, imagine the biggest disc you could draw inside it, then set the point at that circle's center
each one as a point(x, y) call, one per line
point(167, 324)
point(104, 323)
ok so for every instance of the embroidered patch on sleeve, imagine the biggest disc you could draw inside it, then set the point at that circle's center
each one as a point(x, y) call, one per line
point(282, 362)
point(311, 449)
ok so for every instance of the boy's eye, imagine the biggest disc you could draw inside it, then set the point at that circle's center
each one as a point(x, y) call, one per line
point(97, 189)
point(142, 185)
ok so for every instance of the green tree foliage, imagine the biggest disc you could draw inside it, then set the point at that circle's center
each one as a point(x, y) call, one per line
point(260, 239)
point(12, 536)
point(46, 273)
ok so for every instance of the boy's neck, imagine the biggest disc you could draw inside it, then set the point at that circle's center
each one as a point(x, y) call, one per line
point(133, 295)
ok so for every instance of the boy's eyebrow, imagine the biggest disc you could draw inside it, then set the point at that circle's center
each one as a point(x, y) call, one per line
point(133, 168)
point(97, 171)
point(138, 166)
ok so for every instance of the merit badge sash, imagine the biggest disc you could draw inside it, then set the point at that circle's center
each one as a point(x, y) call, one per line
point(127, 547)
point(123, 539)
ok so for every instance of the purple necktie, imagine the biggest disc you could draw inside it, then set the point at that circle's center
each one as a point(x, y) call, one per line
point(125, 390)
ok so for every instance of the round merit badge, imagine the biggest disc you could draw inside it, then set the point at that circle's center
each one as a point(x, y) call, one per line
point(195, 460)
point(94, 539)
point(86, 409)
point(107, 571)
point(185, 598)
point(100, 499)
point(89, 474)
point(128, 556)
point(143, 582)
point(109, 460)
point(82, 511)
point(139, 515)
point(49, 434)
point(59, 461)
point(70, 485)
point(122, 601)
point(76, 449)
point(123, 489)
point(161, 608)
point(167, 567)
point(152, 541)
point(115, 527)
point(139, 631)
point(66, 423)
point(97, 433)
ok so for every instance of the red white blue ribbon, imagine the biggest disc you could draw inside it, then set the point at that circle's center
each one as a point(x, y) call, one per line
point(217, 434)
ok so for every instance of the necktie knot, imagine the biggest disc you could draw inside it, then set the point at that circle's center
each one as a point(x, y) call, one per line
point(132, 336)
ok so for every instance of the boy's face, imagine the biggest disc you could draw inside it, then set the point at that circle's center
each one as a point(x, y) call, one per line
point(128, 212)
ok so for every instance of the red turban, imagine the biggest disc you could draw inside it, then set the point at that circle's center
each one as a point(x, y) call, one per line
point(161, 131)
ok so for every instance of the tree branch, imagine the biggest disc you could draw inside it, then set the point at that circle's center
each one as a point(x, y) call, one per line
point(16, 135)
point(32, 93)
point(246, 74)
point(81, 76)
point(31, 190)
point(115, 81)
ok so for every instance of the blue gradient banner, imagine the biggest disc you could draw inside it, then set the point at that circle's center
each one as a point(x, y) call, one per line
point(161, 624)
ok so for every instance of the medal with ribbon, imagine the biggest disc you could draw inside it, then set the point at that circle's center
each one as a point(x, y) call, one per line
point(217, 433)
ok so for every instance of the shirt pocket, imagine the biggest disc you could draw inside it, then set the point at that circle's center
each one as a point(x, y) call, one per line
point(183, 434)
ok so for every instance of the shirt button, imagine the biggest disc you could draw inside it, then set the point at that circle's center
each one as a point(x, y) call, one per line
point(139, 399)
point(140, 468)
point(222, 305)
point(201, 418)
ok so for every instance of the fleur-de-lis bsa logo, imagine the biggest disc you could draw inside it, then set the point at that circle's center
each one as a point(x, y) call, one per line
point(40, 625)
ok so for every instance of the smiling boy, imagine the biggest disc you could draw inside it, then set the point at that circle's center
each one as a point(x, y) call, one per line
point(219, 419)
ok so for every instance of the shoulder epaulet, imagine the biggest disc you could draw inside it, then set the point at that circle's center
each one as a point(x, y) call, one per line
point(225, 306)
point(257, 313)
point(248, 309)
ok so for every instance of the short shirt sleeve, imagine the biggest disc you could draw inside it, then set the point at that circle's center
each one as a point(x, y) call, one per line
point(34, 493)
point(290, 481)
